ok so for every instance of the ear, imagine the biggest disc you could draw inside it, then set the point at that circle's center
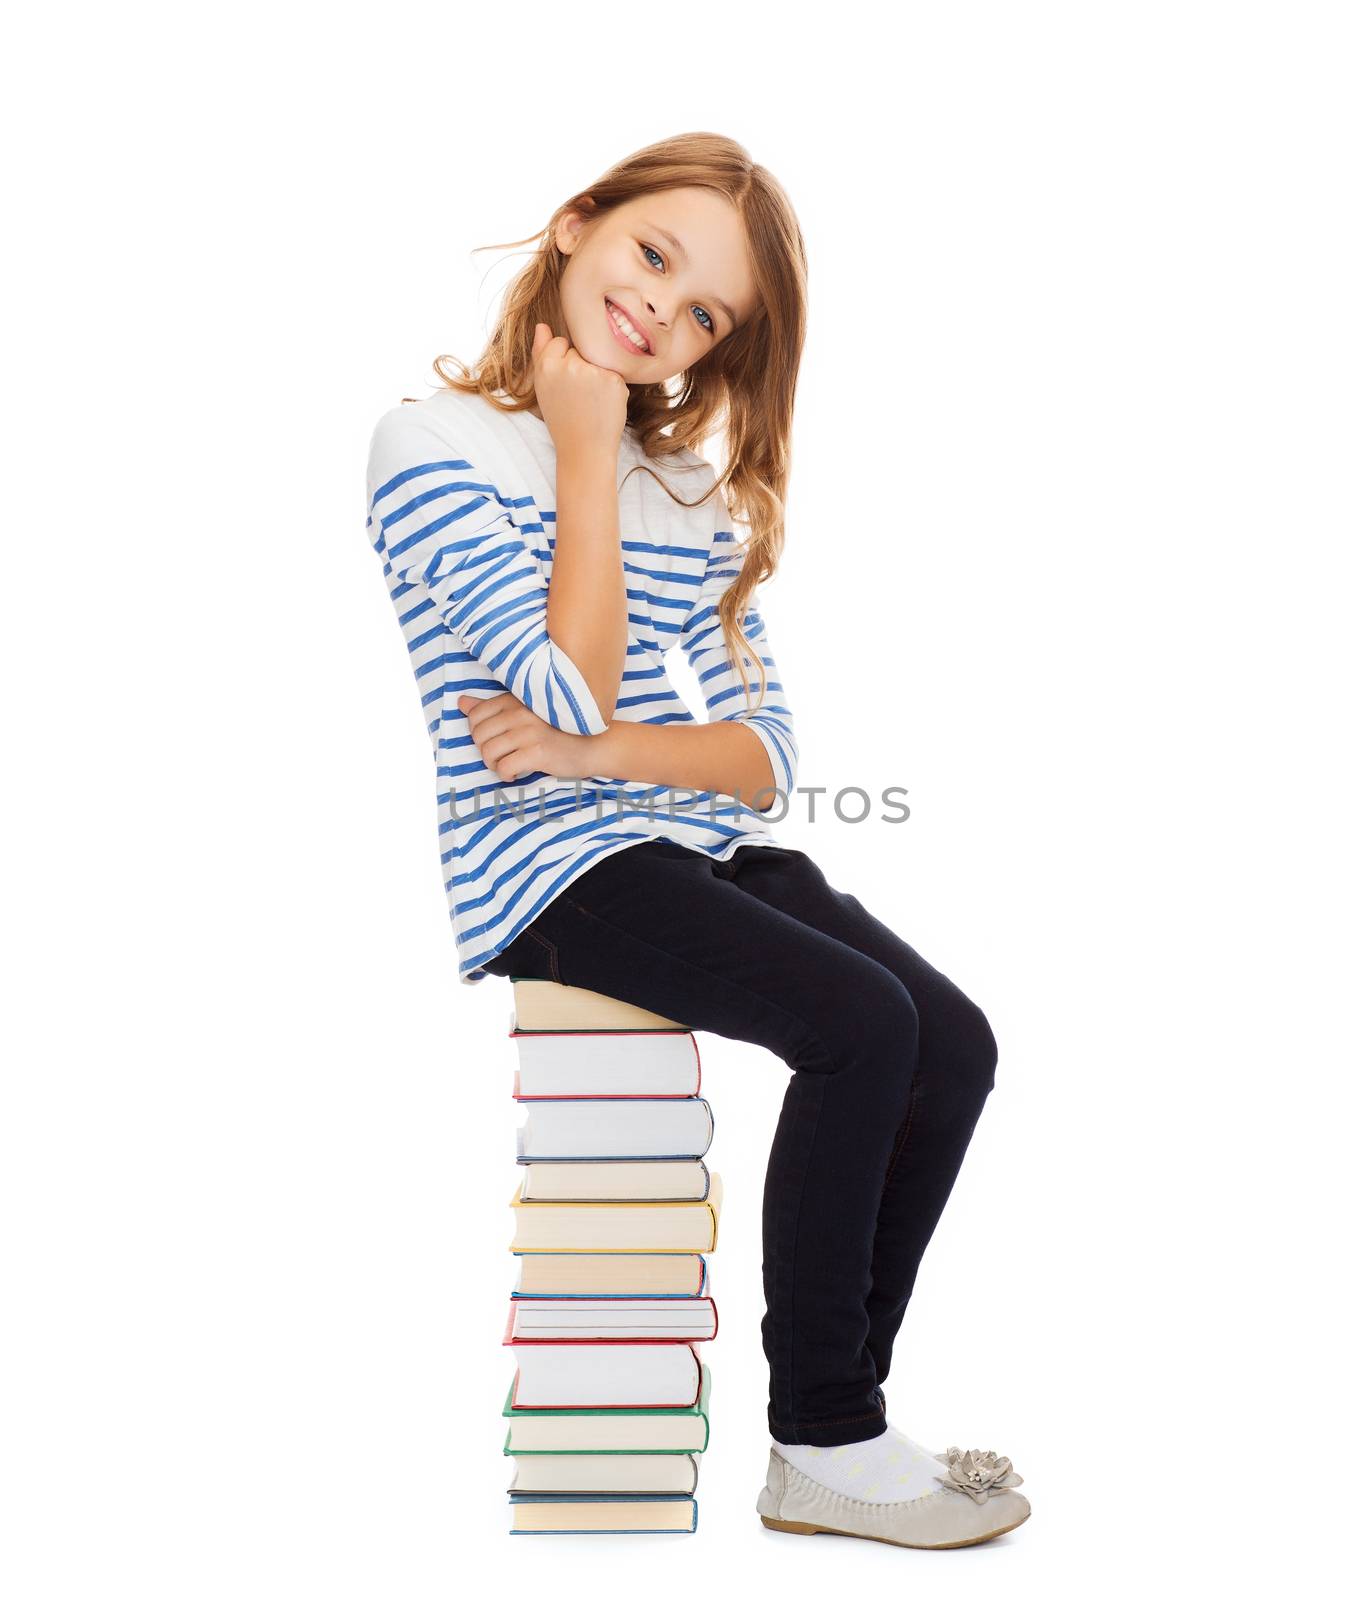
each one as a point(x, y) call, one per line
point(568, 232)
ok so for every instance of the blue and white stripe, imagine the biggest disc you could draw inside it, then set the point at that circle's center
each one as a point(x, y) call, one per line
point(467, 551)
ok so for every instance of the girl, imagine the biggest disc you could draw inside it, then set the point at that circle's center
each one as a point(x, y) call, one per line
point(596, 834)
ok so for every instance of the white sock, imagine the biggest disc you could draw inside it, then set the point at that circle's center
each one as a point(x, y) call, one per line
point(888, 1468)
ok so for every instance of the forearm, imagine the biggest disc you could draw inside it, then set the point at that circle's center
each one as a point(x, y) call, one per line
point(725, 757)
point(587, 607)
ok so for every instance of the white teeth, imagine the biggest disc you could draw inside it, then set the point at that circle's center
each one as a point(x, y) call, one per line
point(624, 323)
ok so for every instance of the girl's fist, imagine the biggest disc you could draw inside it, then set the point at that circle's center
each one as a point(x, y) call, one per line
point(584, 406)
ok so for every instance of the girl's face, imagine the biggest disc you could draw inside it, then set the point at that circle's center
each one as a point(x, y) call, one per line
point(676, 265)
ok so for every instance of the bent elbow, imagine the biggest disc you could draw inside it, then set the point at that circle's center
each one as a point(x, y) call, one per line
point(607, 708)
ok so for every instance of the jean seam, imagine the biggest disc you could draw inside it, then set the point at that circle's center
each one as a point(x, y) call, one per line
point(904, 1137)
point(552, 950)
point(797, 1231)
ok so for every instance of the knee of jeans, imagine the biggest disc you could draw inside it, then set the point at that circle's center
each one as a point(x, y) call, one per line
point(959, 1064)
point(874, 1028)
point(883, 1021)
point(977, 1050)
point(895, 1005)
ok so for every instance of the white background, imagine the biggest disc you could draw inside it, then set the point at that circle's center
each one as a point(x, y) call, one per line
point(1070, 478)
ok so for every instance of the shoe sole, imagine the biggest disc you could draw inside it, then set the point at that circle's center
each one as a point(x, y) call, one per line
point(848, 1533)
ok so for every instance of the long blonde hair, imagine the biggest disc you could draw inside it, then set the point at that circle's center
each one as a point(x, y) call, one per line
point(745, 385)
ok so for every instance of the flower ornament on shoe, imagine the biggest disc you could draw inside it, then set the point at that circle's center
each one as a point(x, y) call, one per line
point(979, 1473)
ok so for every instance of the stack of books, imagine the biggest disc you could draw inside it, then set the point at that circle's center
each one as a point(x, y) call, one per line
point(615, 1210)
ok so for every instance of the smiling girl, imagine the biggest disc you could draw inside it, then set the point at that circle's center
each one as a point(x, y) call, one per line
point(548, 532)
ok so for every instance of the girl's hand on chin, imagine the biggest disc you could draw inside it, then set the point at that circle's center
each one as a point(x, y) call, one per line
point(585, 407)
point(513, 741)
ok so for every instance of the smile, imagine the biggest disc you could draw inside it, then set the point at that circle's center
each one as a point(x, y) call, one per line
point(625, 331)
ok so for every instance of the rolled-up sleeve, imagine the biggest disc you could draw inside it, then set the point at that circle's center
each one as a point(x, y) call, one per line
point(447, 535)
point(704, 642)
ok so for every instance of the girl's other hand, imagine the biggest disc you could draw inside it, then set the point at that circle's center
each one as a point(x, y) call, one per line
point(585, 406)
point(512, 741)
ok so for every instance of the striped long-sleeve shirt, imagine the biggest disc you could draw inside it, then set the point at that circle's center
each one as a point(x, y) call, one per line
point(461, 511)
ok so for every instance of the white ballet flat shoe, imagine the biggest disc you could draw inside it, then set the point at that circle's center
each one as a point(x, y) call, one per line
point(974, 1500)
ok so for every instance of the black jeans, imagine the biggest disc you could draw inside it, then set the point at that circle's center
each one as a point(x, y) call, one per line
point(890, 1062)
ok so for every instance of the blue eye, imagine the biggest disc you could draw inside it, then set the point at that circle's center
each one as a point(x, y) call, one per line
point(709, 326)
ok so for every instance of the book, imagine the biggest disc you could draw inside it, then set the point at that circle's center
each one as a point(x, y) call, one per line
point(624, 1273)
point(541, 1006)
point(604, 1372)
point(638, 1430)
point(637, 1317)
point(608, 1129)
point(563, 1226)
point(634, 1062)
point(614, 1180)
point(633, 1513)
point(605, 1472)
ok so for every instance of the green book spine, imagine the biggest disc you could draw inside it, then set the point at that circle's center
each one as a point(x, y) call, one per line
point(698, 1409)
